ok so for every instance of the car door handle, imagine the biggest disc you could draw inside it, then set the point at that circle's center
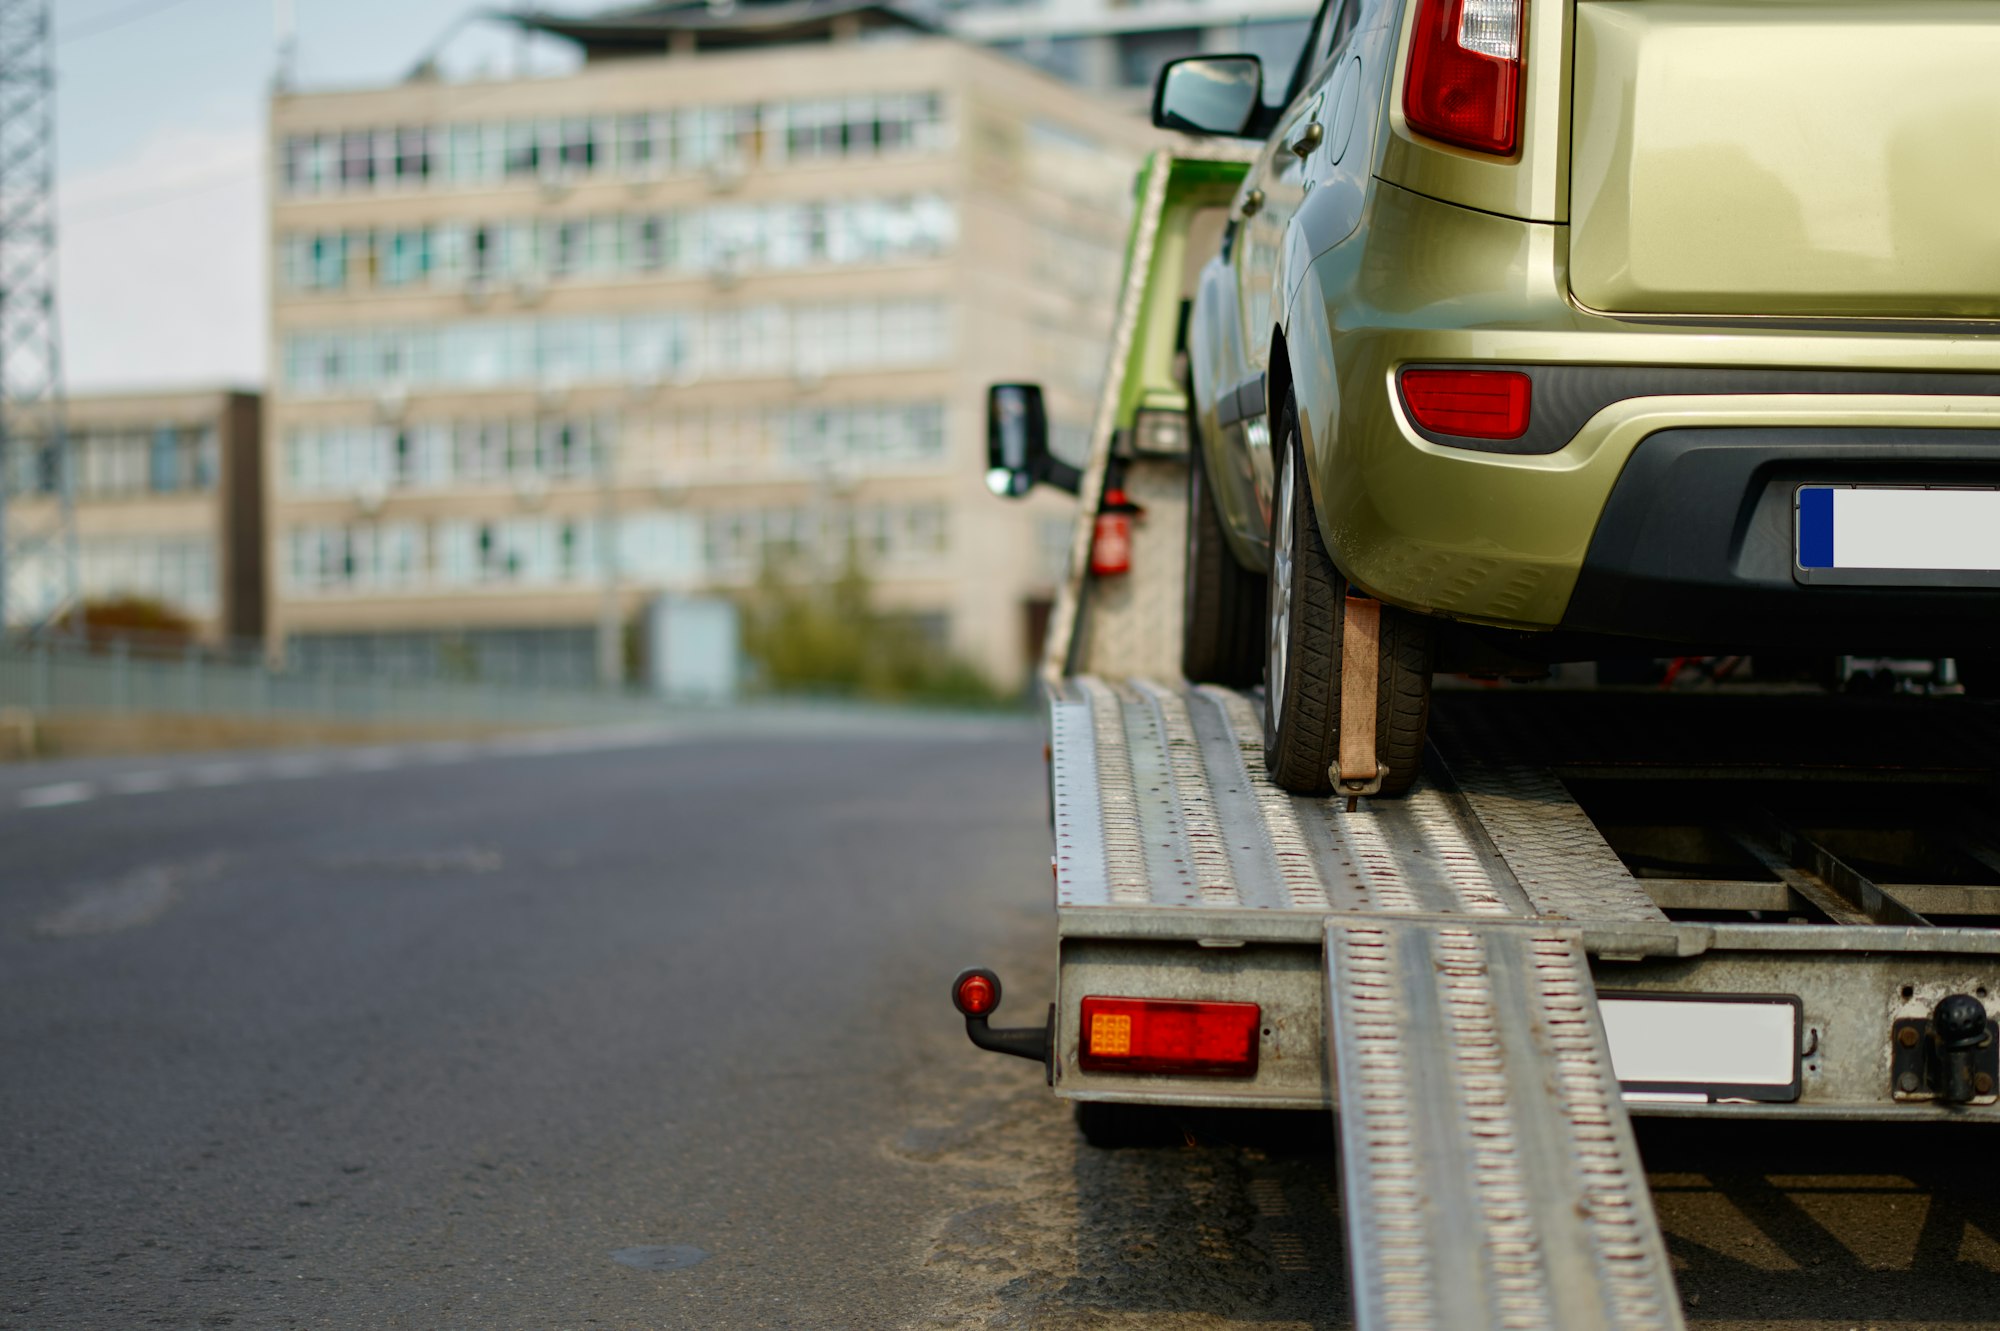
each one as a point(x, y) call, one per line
point(1309, 138)
point(1253, 201)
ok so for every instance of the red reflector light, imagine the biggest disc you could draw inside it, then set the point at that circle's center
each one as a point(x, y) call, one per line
point(1160, 1035)
point(1480, 404)
point(976, 994)
point(1464, 84)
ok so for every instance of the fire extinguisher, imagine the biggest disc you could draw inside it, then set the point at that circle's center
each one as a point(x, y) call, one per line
point(1111, 543)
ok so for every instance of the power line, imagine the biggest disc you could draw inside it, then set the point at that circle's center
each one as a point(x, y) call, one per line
point(117, 18)
point(133, 201)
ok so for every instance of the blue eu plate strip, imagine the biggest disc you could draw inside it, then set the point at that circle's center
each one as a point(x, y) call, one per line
point(1816, 527)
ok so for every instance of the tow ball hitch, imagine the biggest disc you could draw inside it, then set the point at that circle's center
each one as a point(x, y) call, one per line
point(976, 995)
point(1951, 1056)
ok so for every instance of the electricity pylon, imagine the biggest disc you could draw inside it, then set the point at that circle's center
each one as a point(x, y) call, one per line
point(38, 553)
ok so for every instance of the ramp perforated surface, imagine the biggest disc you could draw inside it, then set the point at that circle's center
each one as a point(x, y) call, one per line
point(1487, 1164)
point(1161, 801)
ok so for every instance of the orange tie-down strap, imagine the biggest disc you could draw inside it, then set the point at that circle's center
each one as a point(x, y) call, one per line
point(1358, 771)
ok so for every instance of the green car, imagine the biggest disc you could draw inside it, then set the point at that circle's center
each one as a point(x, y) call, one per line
point(1571, 329)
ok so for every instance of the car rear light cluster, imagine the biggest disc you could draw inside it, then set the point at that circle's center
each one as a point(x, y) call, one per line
point(1478, 404)
point(1464, 84)
point(1168, 1036)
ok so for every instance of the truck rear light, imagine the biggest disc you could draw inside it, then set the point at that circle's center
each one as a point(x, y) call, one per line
point(1479, 404)
point(1464, 84)
point(976, 993)
point(1162, 1035)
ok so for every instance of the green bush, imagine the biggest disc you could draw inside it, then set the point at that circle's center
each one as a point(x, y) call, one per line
point(828, 637)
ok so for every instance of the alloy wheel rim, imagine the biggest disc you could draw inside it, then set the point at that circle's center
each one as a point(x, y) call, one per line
point(1281, 600)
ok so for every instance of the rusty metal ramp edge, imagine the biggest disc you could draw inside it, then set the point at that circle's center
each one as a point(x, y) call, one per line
point(1488, 1173)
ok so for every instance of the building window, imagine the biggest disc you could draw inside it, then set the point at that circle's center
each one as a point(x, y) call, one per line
point(864, 437)
point(409, 258)
point(523, 149)
point(177, 571)
point(357, 160)
point(578, 147)
point(524, 550)
point(351, 459)
point(730, 238)
point(413, 156)
point(687, 139)
point(371, 556)
point(745, 341)
point(898, 539)
point(166, 460)
point(643, 142)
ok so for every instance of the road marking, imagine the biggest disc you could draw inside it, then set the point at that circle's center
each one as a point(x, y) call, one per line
point(450, 751)
point(62, 792)
point(138, 901)
point(132, 902)
point(377, 758)
point(301, 765)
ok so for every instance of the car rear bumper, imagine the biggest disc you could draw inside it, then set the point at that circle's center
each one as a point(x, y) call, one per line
point(1696, 545)
point(1684, 494)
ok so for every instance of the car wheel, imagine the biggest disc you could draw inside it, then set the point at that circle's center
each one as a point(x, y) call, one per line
point(1223, 605)
point(1305, 616)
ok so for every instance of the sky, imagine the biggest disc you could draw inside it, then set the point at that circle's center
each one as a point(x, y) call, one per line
point(160, 174)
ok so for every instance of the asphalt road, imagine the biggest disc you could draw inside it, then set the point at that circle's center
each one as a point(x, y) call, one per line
point(649, 1031)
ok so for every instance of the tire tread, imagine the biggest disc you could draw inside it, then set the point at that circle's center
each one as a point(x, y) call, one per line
point(1301, 758)
point(1223, 613)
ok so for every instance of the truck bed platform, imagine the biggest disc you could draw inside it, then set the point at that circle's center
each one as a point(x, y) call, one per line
point(1161, 801)
point(1449, 971)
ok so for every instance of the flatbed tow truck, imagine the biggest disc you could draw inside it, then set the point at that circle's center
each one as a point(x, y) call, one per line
point(1594, 904)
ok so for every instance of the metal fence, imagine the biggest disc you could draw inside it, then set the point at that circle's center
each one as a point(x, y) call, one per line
point(54, 675)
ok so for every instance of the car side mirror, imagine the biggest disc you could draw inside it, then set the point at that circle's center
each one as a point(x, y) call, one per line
point(1017, 443)
point(1209, 94)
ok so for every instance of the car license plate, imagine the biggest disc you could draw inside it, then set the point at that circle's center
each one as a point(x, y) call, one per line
point(1868, 529)
point(1672, 1049)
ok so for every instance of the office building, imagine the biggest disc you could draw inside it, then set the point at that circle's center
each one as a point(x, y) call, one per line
point(730, 293)
point(168, 495)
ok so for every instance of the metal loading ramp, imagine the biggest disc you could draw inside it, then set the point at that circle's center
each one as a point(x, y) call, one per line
point(1488, 1172)
point(1489, 1175)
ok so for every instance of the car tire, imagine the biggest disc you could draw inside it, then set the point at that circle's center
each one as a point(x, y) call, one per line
point(1222, 617)
point(1304, 620)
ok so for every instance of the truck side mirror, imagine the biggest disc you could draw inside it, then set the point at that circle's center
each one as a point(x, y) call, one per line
point(1210, 94)
point(1017, 443)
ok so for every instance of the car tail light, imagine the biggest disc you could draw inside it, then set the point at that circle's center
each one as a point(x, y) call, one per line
point(1464, 85)
point(1161, 1035)
point(1480, 404)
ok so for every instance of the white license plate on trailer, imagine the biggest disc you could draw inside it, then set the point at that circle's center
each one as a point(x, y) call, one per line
point(1850, 533)
point(1671, 1049)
